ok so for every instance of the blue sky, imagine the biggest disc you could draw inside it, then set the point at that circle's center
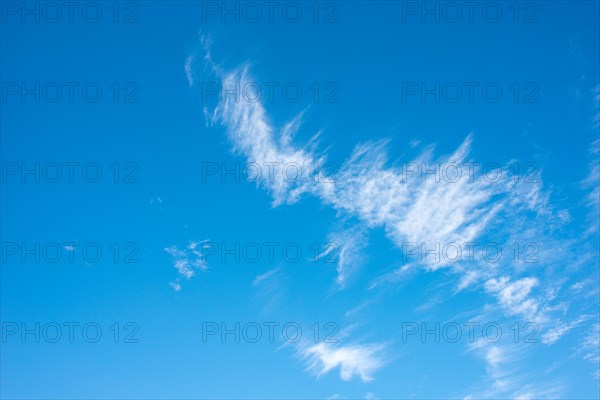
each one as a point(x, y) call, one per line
point(177, 248)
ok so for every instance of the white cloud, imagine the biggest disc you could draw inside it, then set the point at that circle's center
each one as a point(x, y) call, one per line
point(577, 286)
point(592, 184)
point(347, 248)
point(505, 378)
point(593, 342)
point(590, 349)
point(418, 210)
point(397, 275)
point(189, 70)
point(156, 200)
point(596, 117)
point(514, 296)
point(253, 136)
point(270, 288)
point(175, 285)
point(410, 209)
point(367, 186)
point(353, 360)
point(186, 261)
point(424, 211)
point(555, 333)
point(499, 379)
point(262, 277)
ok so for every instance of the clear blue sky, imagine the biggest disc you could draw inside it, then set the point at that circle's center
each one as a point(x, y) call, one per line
point(387, 93)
